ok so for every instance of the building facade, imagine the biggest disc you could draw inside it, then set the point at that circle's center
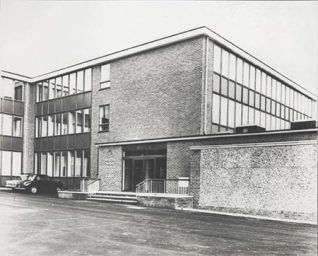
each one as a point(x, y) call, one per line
point(135, 114)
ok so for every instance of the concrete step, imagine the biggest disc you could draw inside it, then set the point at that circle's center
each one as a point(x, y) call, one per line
point(110, 193)
point(112, 200)
point(113, 197)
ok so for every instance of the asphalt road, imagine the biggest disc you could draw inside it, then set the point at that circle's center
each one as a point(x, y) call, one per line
point(43, 225)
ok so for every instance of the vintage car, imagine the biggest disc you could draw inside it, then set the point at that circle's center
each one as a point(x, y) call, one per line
point(34, 183)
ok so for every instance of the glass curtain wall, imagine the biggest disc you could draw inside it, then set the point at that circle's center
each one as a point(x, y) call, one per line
point(244, 94)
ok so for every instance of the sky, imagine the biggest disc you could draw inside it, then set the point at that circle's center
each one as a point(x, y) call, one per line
point(37, 37)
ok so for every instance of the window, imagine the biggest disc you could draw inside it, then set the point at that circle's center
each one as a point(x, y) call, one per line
point(238, 92)
point(216, 83)
point(17, 126)
point(7, 125)
point(252, 77)
point(263, 103)
point(104, 118)
point(263, 88)
point(18, 91)
point(71, 122)
point(257, 100)
point(238, 114)
point(70, 164)
point(6, 163)
point(87, 120)
point(79, 121)
point(50, 125)
point(245, 115)
point(80, 81)
point(63, 164)
point(72, 83)
point(268, 105)
point(51, 88)
point(231, 112)
point(251, 112)
point(44, 126)
point(45, 90)
point(231, 89)
point(279, 91)
point(251, 98)
point(217, 59)
point(86, 164)
point(232, 67)
point(245, 95)
point(58, 86)
point(64, 123)
point(246, 72)
point(224, 86)
point(57, 129)
point(105, 76)
point(50, 163)
point(257, 117)
point(225, 63)
point(258, 80)
point(39, 92)
point(88, 80)
point(65, 84)
point(223, 120)
point(269, 86)
point(239, 74)
point(78, 163)
point(7, 89)
point(57, 161)
point(43, 163)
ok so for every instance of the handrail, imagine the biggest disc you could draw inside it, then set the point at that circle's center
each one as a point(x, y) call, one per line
point(165, 186)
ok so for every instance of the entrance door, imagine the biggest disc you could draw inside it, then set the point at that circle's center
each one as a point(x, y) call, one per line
point(139, 173)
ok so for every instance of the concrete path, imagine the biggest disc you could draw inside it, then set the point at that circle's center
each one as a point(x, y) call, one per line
point(43, 225)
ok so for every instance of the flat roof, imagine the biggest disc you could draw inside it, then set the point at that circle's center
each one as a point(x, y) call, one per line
point(189, 34)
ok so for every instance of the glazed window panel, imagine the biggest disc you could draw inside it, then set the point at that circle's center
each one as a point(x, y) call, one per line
point(283, 94)
point(80, 81)
point(58, 87)
point(216, 108)
point(79, 121)
point(257, 117)
point(263, 103)
point(51, 125)
point(50, 163)
point(39, 92)
point(72, 83)
point(64, 123)
point(251, 112)
point(88, 80)
point(245, 95)
point(231, 89)
point(104, 118)
point(223, 120)
point(71, 164)
point(43, 163)
point(232, 67)
point(272, 123)
point(263, 86)
point(66, 85)
point(216, 83)
point(263, 120)
point(224, 86)
point(45, 90)
point(257, 100)
point(251, 98)
point(246, 74)
point(231, 118)
point(51, 88)
point(6, 163)
point(239, 73)
point(86, 164)
point(273, 109)
point(287, 97)
point(44, 126)
point(58, 124)
point(238, 93)
point(105, 76)
point(87, 120)
point(279, 91)
point(268, 105)
point(252, 77)
point(72, 122)
point(18, 91)
point(217, 59)
point(258, 80)
point(63, 164)
point(17, 126)
point(78, 163)
point(238, 114)
point(245, 115)
point(7, 125)
point(57, 164)
point(274, 89)
point(225, 63)
point(269, 86)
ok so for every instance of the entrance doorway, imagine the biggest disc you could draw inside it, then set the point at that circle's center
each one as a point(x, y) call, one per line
point(140, 168)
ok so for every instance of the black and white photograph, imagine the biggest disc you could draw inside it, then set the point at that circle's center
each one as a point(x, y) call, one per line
point(158, 128)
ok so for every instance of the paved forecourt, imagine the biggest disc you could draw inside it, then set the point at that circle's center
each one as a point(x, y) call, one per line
point(43, 225)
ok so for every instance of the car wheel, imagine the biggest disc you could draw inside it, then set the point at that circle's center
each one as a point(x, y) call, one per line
point(34, 190)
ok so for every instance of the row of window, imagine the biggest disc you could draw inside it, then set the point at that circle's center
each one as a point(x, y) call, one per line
point(78, 121)
point(233, 67)
point(10, 125)
point(229, 114)
point(73, 83)
point(11, 89)
point(249, 97)
point(10, 163)
point(74, 163)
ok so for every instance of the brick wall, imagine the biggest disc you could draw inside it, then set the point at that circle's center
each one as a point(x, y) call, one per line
point(110, 168)
point(154, 94)
point(274, 180)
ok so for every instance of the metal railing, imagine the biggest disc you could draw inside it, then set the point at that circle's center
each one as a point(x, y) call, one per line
point(90, 185)
point(164, 186)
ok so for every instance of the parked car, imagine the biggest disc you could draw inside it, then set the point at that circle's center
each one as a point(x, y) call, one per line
point(35, 183)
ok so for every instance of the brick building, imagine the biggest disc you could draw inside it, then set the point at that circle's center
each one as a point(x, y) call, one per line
point(136, 114)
